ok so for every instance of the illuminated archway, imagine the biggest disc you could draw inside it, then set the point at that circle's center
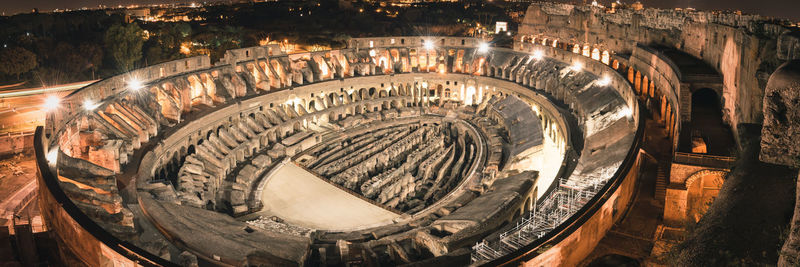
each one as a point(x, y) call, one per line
point(702, 188)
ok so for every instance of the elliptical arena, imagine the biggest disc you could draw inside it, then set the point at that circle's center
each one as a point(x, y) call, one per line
point(395, 150)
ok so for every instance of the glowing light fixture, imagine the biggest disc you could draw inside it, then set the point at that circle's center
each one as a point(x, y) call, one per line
point(428, 45)
point(135, 85)
point(372, 53)
point(52, 156)
point(605, 81)
point(51, 103)
point(626, 112)
point(577, 66)
point(90, 105)
point(538, 55)
point(483, 48)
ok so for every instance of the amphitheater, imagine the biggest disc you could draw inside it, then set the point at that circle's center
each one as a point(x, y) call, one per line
point(401, 150)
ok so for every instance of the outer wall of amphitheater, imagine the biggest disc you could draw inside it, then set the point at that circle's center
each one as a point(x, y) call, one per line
point(568, 244)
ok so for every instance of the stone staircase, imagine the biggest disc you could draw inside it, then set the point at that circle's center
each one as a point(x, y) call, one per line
point(662, 179)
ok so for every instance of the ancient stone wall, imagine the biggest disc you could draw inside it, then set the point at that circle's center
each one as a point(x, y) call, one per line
point(740, 47)
point(186, 109)
point(782, 117)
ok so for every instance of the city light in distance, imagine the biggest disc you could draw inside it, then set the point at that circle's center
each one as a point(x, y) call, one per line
point(51, 103)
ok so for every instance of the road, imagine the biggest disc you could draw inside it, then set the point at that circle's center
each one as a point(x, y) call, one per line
point(22, 110)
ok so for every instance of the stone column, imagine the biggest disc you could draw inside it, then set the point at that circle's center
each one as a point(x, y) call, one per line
point(779, 140)
point(790, 253)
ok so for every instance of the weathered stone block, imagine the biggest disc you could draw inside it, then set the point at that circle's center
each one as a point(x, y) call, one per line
point(782, 117)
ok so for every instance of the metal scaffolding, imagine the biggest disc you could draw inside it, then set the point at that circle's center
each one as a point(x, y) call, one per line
point(562, 203)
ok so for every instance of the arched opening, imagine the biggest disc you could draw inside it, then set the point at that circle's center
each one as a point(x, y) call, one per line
point(630, 74)
point(702, 188)
point(210, 205)
point(708, 133)
point(645, 85)
point(527, 207)
point(637, 84)
point(312, 104)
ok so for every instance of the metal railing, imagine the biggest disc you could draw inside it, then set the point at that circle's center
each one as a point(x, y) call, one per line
point(724, 162)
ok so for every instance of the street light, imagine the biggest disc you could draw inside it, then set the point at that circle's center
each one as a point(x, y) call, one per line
point(51, 103)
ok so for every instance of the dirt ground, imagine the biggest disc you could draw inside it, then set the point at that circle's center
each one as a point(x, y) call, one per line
point(15, 172)
point(748, 222)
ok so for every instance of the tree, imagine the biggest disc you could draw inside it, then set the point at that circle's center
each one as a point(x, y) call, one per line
point(16, 61)
point(124, 43)
point(93, 55)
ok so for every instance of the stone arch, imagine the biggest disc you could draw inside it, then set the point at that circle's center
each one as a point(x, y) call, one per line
point(707, 123)
point(596, 54)
point(312, 106)
point(637, 82)
point(702, 188)
point(527, 207)
point(701, 173)
point(631, 74)
point(331, 100)
point(652, 89)
point(645, 85)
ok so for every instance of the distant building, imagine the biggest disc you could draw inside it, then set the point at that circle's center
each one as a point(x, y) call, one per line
point(138, 12)
point(637, 6)
point(500, 26)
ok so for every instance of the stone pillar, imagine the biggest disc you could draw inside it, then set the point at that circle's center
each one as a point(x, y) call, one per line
point(790, 253)
point(779, 140)
point(782, 117)
point(675, 206)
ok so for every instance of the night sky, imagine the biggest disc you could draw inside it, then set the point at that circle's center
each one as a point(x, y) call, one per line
point(777, 8)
